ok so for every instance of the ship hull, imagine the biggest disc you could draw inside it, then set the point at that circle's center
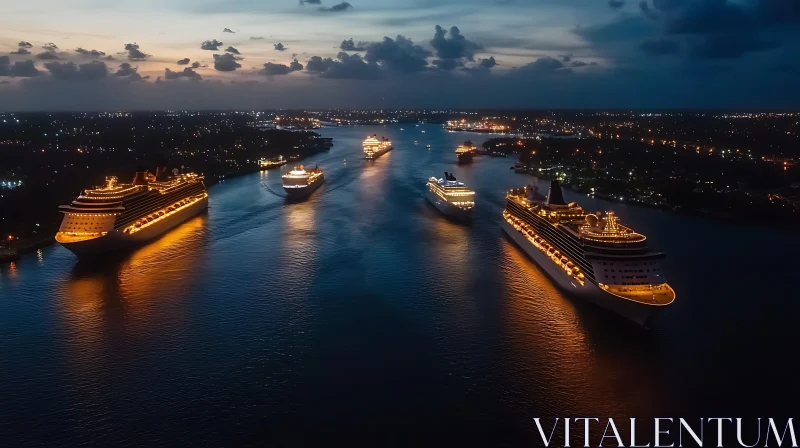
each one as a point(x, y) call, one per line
point(447, 208)
point(464, 158)
point(637, 312)
point(377, 154)
point(295, 194)
point(116, 240)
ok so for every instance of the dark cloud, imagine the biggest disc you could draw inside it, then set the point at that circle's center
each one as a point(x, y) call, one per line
point(452, 45)
point(578, 64)
point(546, 65)
point(620, 30)
point(349, 45)
point(565, 57)
point(184, 61)
point(311, 2)
point(126, 69)
point(134, 53)
point(228, 30)
point(232, 50)
point(722, 29)
point(343, 6)
point(137, 77)
point(90, 71)
point(397, 55)
point(616, 4)
point(185, 73)
point(21, 51)
point(660, 46)
point(211, 45)
point(280, 47)
point(50, 47)
point(647, 11)
point(225, 62)
point(271, 69)
point(257, 38)
point(196, 64)
point(344, 67)
point(47, 56)
point(24, 44)
point(22, 69)
point(317, 65)
point(90, 53)
point(729, 46)
point(487, 63)
point(448, 64)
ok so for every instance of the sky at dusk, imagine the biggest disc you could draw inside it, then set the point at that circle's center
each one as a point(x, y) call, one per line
point(263, 54)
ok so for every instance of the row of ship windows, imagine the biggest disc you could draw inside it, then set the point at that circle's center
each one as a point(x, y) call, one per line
point(608, 263)
point(630, 270)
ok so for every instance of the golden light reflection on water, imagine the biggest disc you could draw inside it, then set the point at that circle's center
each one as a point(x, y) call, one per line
point(448, 243)
point(126, 294)
point(585, 375)
point(298, 247)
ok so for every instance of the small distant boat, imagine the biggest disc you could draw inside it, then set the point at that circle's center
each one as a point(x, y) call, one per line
point(428, 146)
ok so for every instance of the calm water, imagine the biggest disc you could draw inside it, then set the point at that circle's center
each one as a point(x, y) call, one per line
point(363, 316)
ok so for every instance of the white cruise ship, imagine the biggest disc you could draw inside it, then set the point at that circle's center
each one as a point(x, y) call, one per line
point(375, 147)
point(590, 256)
point(299, 182)
point(115, 216)
point(451, 197)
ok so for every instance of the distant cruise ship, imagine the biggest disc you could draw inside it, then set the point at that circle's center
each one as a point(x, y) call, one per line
point(465, 151)
point(271, 163)
point(117, 215)
point(374, 147)
point(451, 197)
point(299, 182)
point(591, 256)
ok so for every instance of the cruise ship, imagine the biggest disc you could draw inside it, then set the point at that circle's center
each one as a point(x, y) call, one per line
point(465, 151)
point(115, 215)
point(299, 182)
point(451, 197)
point(374, 147)
point(589, 255)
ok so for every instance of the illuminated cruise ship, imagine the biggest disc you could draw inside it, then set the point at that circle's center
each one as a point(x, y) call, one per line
point(591, 256)
point(465, 151)
point(374, 147)
point(451, 197)
point(299, 182)
point(266, 164)
point(116, 215)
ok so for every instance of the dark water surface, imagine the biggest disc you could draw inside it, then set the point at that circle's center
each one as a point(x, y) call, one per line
point(362, 316)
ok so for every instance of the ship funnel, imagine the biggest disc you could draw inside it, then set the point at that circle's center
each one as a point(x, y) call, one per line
point(161, 172)
point(555, 196)
point(140, 178)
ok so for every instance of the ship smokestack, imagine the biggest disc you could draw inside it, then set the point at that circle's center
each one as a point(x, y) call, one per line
point(140, 178)
point(555, 196)
point(161, 172)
